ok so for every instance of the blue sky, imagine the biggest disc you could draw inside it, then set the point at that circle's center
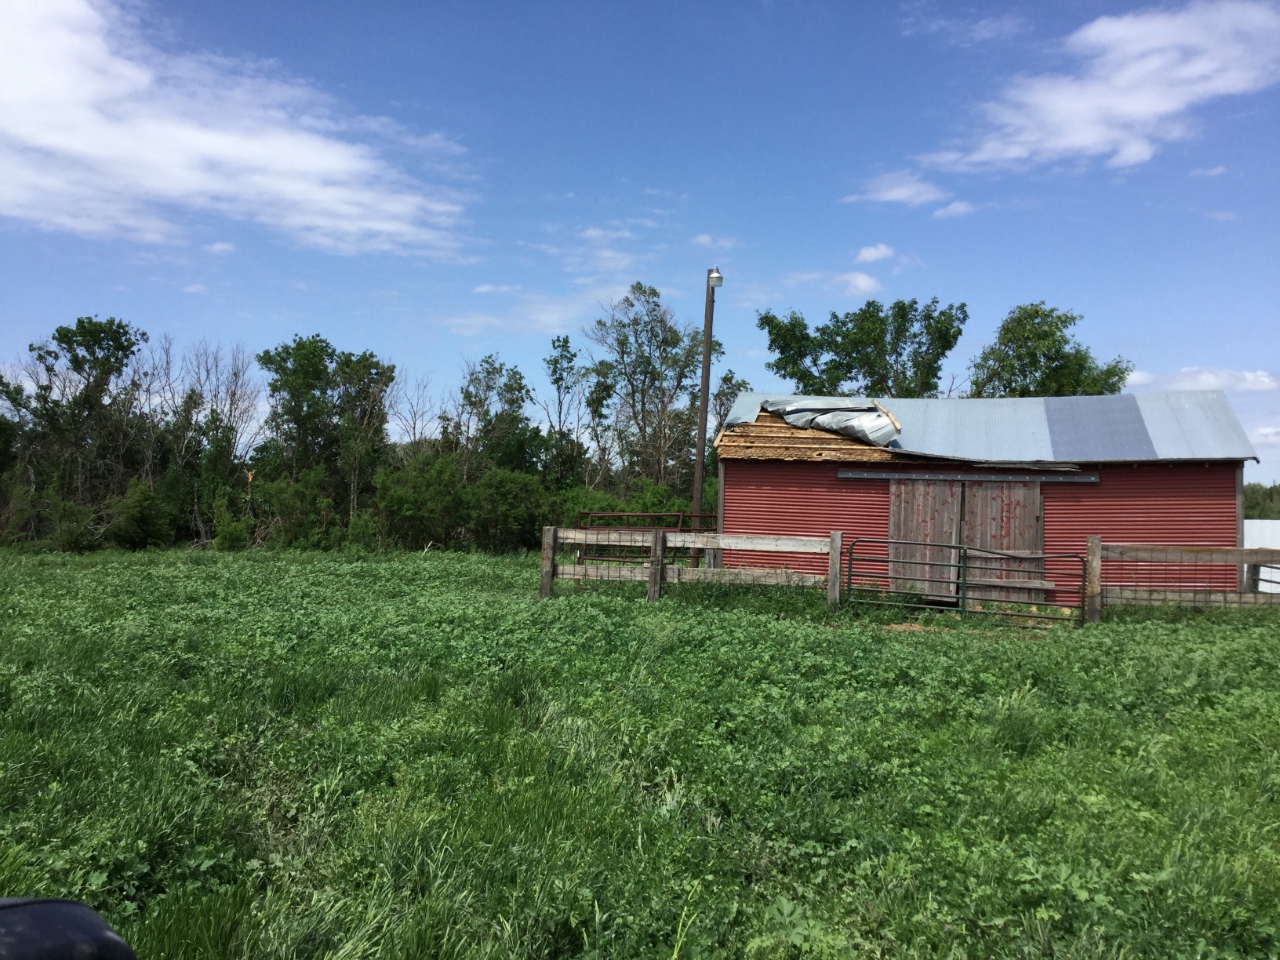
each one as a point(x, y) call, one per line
point(440, 181)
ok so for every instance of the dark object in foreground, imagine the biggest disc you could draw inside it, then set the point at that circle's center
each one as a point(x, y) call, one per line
point(34, 929)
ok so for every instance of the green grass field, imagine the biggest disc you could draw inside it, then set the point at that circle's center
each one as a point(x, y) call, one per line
point(307, 755)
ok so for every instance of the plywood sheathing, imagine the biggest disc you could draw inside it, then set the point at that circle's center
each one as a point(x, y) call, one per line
point(772, 438)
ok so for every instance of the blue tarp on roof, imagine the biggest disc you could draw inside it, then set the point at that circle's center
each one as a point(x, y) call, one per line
point(1182, 425)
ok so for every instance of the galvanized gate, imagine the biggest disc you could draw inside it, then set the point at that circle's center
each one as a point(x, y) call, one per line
point(925, 575)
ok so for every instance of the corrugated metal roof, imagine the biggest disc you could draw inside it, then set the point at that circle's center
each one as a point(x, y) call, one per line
point(1098, 428)
point(1182, 425)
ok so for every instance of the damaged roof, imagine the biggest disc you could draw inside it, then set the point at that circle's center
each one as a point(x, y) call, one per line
point(1180, 425)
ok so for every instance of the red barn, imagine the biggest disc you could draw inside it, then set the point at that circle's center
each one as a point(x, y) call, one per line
point(1035, 475)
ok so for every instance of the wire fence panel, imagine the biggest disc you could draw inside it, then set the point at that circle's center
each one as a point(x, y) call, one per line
point(658, 556)
point(1186, 575)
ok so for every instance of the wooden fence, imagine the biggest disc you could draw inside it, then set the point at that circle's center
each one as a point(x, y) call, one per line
point(1154, 573)
point(655, 571)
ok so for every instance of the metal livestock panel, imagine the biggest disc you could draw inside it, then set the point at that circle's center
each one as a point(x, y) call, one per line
point(1184, 504)
point(786, 498)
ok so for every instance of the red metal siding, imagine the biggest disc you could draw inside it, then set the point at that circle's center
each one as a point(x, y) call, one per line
point(1147, 503)
point(785, 498)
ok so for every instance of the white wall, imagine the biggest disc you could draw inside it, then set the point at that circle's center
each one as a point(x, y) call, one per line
point(1264, 533)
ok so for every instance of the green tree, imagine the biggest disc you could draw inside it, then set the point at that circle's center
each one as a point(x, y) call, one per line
point(872, 351)
point(566, 456)
point(1262, 502)
point(1034, 355)
point(361, 383)
point(489, 427)
point(301, 421)
point(505, 510)
point(647, 370)
point(422, 501)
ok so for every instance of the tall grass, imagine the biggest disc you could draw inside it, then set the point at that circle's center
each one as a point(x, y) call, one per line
point(274, 755)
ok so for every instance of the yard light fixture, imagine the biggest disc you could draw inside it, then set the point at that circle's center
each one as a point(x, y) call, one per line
point(714, 279)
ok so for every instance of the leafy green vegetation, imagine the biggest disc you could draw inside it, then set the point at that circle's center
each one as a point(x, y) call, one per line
point(1262, 502)
point(264, 754)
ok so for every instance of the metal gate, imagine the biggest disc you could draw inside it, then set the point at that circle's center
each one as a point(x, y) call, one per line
point(926, 575)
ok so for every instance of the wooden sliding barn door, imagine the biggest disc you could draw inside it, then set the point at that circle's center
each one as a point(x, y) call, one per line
point(936, 515)
point(928, 511)
point(1007, 516)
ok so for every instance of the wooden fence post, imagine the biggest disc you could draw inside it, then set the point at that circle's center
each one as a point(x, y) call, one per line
point(833, 568)
point(1093, 579)
point(657, 551)
point(548, 562)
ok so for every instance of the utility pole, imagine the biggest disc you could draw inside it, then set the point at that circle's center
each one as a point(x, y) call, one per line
point(714, 279)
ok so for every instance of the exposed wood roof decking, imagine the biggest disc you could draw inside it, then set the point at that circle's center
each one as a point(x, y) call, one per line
point(772, 438)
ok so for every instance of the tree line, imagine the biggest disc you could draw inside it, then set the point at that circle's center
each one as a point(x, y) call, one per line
point(109, 439)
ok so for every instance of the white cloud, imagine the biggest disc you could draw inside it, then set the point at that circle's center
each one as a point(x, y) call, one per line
point(956, 208)
point(195, 288)
point(880, 251)
point(857, 282)
point(803, 278)
point(601, 233)
point(1208, 378)
point(102, 134)
point(1267, 436)
point(713, 243)
point(966, 32)
point(1138, 77)
point(219, 249)
point(1221, 216)
point(1208, 172)
point(494, 288)
point(900, 186)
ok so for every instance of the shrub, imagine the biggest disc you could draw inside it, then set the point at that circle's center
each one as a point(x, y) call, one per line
point(230, 533)
point(566, 505)
point(505, 511)
point(421, 502)
point(362, 531)
point(139, 520)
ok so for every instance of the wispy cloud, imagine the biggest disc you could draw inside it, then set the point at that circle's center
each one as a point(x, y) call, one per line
point(104, 135)
point(881, 251)
point(713, 243)
point(1207, 378)
point(1266, 436)
point(900, 186)
point(960, 31)
point(537, 312)
point(195, 288)
point(1137, 78)
point(956, 208)
point(1208, 172)
point(1221, 216)
point(219, 249)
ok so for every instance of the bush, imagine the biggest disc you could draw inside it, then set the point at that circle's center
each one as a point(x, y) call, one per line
point(421, 502)
point(139, 520)
point(229, 533)
point(301, 513)
point(362, 531)
point(505, 511)
point(645, 496)
point(566, 505)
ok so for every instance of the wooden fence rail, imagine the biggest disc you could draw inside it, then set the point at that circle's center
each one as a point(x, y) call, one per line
point(1175, 587)
point(656, 572)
